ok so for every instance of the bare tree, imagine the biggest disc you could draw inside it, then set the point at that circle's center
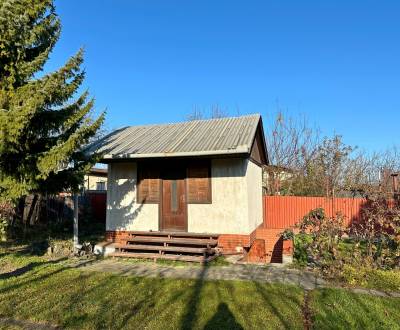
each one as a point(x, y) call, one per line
point(371, 173)
point(291, 141)
point(215, 112)
point(331, 160)
point(291, 144)
point(218, 112)
point(195, 114)
point(303, 164)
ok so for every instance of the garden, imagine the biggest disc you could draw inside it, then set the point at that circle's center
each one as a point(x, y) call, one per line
point(36, 290)
point(365, 253)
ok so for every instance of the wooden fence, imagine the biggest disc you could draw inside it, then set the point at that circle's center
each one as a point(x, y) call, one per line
point(97, 201)
point(285, 211)
point(57, 209)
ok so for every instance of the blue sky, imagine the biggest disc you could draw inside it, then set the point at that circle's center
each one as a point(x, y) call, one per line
point(337, 62)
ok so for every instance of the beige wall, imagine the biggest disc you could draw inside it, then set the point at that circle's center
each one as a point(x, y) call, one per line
point(255, 199)
point(228, 212)
point(236, 206)
point(123, 213)
point(91, 181)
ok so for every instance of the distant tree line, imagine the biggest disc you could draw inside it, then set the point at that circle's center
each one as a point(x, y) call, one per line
point(304, 164)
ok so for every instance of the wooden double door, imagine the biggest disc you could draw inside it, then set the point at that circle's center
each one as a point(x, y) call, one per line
point(173, 213)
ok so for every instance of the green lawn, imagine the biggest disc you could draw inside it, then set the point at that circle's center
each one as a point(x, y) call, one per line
point(218, 261)
point(339, 309)
point(386, 280)
point(81, 300)
point(49, 291)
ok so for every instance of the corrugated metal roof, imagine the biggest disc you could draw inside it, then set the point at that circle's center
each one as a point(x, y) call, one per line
point(220, 136)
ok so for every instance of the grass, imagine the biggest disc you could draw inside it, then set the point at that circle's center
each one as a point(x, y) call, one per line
point(340, 309)
point(353, 276)
point(48, 291)
point(218, 261)
point(386, 280)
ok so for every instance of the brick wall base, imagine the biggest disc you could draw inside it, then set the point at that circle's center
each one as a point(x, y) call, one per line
point(256, 252)
point(234, 243)
point(273, 243)
point(115, 236)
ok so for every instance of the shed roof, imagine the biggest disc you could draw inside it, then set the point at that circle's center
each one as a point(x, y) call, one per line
point(98, 171)
point(222, 136)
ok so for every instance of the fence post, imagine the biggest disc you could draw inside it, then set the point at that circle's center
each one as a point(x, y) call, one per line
point(76, 215)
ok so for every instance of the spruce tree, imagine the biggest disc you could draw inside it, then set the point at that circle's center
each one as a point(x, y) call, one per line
point(43, 123)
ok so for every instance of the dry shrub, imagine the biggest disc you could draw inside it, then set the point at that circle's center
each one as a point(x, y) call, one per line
point(378, 232)
point(371, 243)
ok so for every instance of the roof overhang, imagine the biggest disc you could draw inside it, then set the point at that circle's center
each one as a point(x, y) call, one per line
point(240, 150)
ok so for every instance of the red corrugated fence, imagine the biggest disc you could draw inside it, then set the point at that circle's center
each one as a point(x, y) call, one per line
point(286, 211)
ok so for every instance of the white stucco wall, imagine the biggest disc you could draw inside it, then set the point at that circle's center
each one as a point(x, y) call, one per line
point(123, 213)
point(236, 206)
point(254, 195)
point(228, 212)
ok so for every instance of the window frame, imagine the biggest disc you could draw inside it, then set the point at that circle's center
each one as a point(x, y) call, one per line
point(101, 185)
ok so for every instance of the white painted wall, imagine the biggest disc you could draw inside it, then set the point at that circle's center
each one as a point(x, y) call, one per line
point(254, 195)
point(228, 212)
point(236, 206)
point(123, 213)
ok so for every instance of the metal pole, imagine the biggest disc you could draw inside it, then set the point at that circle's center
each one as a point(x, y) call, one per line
point(76, 209)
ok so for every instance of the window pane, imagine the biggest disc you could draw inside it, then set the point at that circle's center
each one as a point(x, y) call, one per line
point(174, 196)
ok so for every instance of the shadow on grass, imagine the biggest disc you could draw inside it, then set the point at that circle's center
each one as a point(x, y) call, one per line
point(100, 301)
point(32, 267)
point(223, 319)
point(23, 248)
point(189, 317)
point(24, 269)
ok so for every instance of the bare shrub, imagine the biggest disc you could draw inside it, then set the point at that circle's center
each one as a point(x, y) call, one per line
point(373, 242)
point(378, 230)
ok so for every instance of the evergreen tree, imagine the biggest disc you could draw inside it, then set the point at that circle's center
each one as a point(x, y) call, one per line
point(42, 130)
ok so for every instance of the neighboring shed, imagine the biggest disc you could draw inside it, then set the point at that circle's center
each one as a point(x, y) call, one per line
point(95, 180)
point(192, 178)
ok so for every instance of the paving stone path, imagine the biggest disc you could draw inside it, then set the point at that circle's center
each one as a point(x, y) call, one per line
point(257, 273)
point(270, 274)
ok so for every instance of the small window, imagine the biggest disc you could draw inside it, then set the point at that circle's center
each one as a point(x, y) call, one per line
point(100, 185)
point(174, 196)
point(198, 183)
